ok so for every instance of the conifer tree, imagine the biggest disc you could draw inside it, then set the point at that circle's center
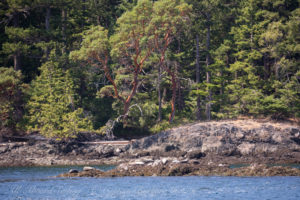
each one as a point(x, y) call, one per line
point(15, 12)
point(52, 108)
point(12, 91)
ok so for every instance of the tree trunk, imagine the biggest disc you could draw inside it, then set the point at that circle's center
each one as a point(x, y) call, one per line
point(164, 96)
point(159, 94)
point(83, 11)
point(174, 87)
point(133, 92)
point(267, 68)
point(17, 54)
point(47, 19)
point(208, 104)
point(180, 97)
point(222, 83)
point(99, 20)
point(180, 100)
point(222, 80)
point(17, 60)
point(47, 27)
point(198, 113)
point(208, 73)
point(276, 70)
point(64, 28)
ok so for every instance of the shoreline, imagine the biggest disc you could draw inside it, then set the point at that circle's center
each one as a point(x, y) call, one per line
point(125, 170)
point(204, 144)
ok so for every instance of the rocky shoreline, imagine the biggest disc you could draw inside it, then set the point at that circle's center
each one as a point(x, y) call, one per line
point(184, 169)
point(206, 148)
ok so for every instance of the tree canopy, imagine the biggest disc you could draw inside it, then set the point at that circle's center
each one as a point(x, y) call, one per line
point(142, 66)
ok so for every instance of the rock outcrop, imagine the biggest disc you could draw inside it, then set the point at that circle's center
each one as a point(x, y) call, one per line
point(48, 152)
point(238, 140)
point(173, 169)
point(205, 143)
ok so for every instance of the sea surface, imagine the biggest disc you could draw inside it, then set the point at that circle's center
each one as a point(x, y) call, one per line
point(38, 183)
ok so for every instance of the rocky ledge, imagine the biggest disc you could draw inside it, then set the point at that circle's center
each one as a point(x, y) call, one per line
point(200, 145)
point(184, 169)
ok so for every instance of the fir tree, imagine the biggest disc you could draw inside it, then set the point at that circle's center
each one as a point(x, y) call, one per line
point(52, 108)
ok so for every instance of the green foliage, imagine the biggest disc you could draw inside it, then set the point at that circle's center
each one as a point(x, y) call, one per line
point(52, 108)
point(106, 57)
point(132, 34)
point(160, 127)
point(143, 115)
point(95, 43)
point(261, 62)
point(11, 97)
point(288, 94)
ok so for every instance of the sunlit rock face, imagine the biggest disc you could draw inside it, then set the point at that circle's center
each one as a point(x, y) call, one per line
point(243, 138)
point(223, 142)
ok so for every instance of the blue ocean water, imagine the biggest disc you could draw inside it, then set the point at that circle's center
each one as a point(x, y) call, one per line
point(37, 183)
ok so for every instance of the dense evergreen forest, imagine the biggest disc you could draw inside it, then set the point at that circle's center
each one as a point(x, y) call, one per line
point(142, 66)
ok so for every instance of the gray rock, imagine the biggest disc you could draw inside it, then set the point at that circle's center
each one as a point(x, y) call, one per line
point(127, 147)
point(194, 162)
point(176, 161)
point(294, 131)
point(246, 148)
point(3, 149)
point(147, 160)
point(184, 161)
point(118, 150)
point(43, 146)
point(50, 151)
point(156, 163)
point(212, 144)
point(137, 162)
point(248, 140)
point(170, 148)
point(107, 151)
point(240, 135)
point(193, 142)
point(123, 166)
point(164, 160)
point(195, 154)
